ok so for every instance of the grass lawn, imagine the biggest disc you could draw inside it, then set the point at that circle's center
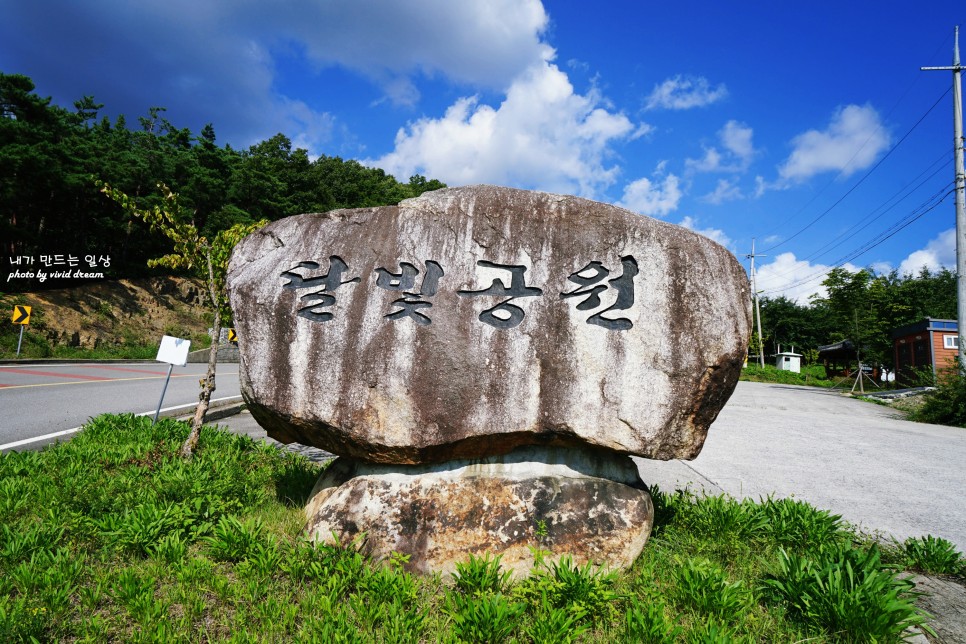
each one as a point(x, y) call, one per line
point(814, 375)
point(113, 537)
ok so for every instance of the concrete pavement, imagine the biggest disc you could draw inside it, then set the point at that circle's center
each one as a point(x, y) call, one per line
point(855, 458)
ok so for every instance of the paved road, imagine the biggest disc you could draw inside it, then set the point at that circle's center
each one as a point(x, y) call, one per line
point(855, 458)
point(42, 399)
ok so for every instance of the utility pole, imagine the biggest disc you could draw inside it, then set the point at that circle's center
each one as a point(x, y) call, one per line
point(960, 197)
point(858, 353)
point(754, 287)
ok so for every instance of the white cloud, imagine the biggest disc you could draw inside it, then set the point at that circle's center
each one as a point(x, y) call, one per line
point(724, 191)
point(881, 268)
point(736, 138)
point(655, 198)
point(485, 43)
point(543, 135)
point(795, 279)
point(939, 253)
point(715, 234)
point(684, 93)
point(853, 141)
point(738, 151)
point(218, 62)
point(710, 162)
point(760, 186)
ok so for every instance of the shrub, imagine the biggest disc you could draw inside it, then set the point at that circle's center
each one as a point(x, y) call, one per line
point(946, 405)
point(845, 592)
point(714, 516)
point(933, 555)
point(487, 618)
point(646, 624)
point(481, 575)
point(812, 375)
point(586, 589)
point(704, 587)
point(797, 525)
point(140, 529)
point(557, 626)
point(234, 540)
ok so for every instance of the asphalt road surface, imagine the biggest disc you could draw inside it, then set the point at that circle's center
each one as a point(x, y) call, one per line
point(855, 458)
point(39, 402)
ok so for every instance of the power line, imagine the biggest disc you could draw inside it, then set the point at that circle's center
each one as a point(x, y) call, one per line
point(841, 173)
point(873, 243)
point(857, 227)
point(864, 177)
point(884, 207)
point(845, 234)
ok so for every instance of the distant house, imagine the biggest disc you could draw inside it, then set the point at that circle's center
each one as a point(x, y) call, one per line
point(838, 358)
point(928, 344)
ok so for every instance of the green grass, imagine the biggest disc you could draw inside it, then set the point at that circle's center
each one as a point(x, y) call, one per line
point(812, 376)
point(113, 537)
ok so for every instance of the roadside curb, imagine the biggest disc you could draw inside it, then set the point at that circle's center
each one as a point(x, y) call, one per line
point(215, 412)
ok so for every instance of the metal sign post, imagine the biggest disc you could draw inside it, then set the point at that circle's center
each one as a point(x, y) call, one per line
point(174, 351)
point(21, 316)
point(163, 390)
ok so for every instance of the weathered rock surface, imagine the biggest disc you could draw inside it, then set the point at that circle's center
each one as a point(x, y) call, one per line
point(470, 321)
point(944, 598)
point(589, 504)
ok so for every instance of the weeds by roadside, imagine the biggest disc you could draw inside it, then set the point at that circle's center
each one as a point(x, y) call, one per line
point(112, 536)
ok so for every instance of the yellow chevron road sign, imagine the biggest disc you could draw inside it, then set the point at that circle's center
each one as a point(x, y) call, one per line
point(21, 314)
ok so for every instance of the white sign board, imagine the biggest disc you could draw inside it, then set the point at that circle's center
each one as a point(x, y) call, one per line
point(174, 350)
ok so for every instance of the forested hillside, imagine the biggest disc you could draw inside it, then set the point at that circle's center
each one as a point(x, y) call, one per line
point(862, 307)
point(50, 155)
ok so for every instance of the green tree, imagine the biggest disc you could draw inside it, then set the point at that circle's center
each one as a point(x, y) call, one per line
point(206, 259)
point(49, 205)
point(854, 312)
point(786, 323)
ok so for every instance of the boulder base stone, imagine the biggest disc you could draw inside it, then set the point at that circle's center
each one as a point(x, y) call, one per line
point(471, 321)
point(590, 505)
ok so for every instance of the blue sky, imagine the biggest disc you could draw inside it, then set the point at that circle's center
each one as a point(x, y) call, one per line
point(807, 126)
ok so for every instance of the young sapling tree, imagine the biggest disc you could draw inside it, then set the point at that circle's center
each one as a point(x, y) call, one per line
point(206, 259)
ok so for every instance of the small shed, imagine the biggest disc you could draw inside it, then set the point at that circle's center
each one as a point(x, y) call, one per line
point(789, 361)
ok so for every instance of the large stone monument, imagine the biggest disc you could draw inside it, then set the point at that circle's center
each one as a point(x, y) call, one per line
point(483, 361)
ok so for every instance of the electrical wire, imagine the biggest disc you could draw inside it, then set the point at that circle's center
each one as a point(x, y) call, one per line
point(903, 223)
point(841, 173)
point(862, 179)
point(858, 226)
point(884, 207)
